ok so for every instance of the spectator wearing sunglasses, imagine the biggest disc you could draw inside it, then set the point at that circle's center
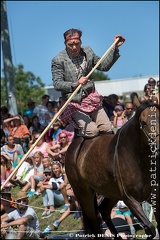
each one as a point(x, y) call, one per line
point(59, 150)
point(24, 218)
point(128, 111)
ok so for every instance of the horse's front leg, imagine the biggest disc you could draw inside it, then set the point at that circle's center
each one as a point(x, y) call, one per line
point(105, 208)
point(136, 209)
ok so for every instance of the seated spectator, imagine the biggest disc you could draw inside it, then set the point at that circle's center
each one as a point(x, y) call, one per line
point(18, 130)
point(128, 111)
point(120, 224)
point(37, 174)
point(51, 134)
point(52, 193)
point(118, 120)
point(5, 168)
point(46, 161)
point(48, 174)
point(24, 218)
point(74, 207)
point(48, 210)
point(11, 147)
point(58, 151)
point(41, 146)
point(7, 204)
point(23, 173)
point(35, 125)
point(124, 210)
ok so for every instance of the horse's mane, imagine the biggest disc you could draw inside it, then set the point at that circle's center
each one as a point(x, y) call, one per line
point(144, 105)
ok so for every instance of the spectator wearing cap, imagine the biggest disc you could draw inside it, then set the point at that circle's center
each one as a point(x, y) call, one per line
point(31, 106)
point(118, 120)
point(41, 109)
point(48, 209)
point(53, 193)
point(7, 204)
point(24, 217)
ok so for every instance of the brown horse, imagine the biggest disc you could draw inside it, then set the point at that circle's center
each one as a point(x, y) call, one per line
point(119, 167)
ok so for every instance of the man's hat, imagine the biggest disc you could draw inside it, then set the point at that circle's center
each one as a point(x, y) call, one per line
point(20, 195)
point(5, 191)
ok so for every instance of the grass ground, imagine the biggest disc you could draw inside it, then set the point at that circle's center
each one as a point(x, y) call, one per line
point(68, 225)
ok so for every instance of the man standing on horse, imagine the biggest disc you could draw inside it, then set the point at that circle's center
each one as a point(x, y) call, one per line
point(69, 68)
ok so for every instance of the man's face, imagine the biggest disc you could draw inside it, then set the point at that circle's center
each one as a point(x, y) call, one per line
point(22, 204)
point(73, 45)
point(128, 109)
point(6, 198)
point(10, 141)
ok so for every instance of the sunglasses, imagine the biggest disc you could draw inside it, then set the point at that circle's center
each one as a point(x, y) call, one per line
point(62, 137)
point(22, 200)
point(129, 108)
point(47, 174)
point(56, 162)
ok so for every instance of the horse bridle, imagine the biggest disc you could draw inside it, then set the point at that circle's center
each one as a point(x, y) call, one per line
point(142, 127)
point(116, 150)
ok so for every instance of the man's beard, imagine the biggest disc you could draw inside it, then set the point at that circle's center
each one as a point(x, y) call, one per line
point(21, 207)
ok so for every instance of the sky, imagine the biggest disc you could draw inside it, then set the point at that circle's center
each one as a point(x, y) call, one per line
point(36, 34)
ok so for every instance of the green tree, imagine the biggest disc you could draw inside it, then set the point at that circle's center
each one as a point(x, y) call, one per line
point(99, 76)
point(27, 86)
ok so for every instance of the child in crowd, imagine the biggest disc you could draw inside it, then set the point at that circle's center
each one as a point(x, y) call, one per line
point(24, 172)
point(48, 210)
point(46, 161)
point(118, 120)
point(51, 135)
point(52, 193)
point(73, 207)
point(5, 168)
point(37, 175)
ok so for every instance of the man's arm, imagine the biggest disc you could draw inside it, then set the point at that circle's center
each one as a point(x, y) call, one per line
point(19, 221)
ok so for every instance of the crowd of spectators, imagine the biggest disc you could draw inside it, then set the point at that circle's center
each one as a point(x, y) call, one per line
point(42, 174)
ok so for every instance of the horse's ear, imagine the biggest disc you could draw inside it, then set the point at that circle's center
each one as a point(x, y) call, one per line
point(134, 99)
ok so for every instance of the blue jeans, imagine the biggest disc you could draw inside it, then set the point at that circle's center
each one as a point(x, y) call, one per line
point(52, 198)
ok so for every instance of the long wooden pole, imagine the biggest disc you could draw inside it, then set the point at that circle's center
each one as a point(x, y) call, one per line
point(58, 114)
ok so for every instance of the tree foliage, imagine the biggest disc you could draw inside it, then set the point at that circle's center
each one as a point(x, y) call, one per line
point(27, 86)
point(99, 76)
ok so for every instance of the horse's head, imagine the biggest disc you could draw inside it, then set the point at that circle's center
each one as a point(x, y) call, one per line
point(148, 116)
